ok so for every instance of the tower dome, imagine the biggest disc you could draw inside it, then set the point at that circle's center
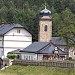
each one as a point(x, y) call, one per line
point(45, 12)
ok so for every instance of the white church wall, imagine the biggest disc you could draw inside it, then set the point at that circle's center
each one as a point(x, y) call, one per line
point(31, 56)
point(28, 56)
point(40, 56)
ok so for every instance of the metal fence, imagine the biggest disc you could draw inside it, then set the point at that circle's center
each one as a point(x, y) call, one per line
point(46, 63)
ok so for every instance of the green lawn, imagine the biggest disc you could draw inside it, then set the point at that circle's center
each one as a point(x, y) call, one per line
point(38, 70)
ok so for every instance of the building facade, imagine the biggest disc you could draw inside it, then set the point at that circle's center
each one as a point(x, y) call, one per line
point(12, 37)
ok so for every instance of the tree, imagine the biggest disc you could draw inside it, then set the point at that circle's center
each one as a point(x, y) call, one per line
point(3, 14)
point(67, 27)
point(56, 24)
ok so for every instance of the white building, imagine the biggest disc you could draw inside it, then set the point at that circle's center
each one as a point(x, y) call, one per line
point(12, 37)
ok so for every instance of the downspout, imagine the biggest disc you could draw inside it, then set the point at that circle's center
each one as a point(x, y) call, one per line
point(3, 45)
point(37, 56)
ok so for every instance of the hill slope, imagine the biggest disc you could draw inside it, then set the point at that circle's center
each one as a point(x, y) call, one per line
point(38, 70)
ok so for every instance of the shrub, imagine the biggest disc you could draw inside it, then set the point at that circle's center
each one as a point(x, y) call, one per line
point(70, 58)
point(11, 56)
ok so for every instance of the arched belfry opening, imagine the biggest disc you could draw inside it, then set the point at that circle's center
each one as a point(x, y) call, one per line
point(45, 28)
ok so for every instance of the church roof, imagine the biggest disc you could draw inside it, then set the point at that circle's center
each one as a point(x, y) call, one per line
point(15, 51)
point(4, 28)
point(58, 41)
point(34, 47)
point(45, 12)
point(42, 48)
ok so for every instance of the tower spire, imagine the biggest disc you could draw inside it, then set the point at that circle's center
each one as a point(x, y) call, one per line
point(45, 5)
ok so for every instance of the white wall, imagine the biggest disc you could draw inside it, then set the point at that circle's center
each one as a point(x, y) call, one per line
point(71, 53)
point(14, 40)
point(1, 47)
point(31, 56)
point(1, 41)
point(1, 53)
point(40, 56)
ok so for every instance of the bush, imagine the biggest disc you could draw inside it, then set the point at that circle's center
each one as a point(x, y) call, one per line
point(70, 58)
point(11, 56)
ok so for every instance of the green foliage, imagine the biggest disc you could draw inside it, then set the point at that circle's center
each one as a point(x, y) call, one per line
point(26, 12)
point(67, 27)
point(11, 56)
point(70, 58)
point(37, 70)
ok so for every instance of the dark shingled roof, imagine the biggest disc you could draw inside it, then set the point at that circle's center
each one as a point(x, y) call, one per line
point(4, 28)
point(42, 48)
point(45, 11)
point(50, 49)
point(58, 41)
point(15, 51)
point(34, 47)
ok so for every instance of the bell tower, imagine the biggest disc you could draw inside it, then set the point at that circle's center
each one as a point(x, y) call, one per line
point(45, 26)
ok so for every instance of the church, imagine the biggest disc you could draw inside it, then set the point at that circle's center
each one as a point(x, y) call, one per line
point(47, 47)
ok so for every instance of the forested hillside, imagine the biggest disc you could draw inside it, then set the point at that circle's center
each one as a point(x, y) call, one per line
point(26, 12)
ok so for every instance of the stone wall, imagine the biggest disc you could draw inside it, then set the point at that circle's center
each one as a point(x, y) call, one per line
point(45, 36)
point(69, 64)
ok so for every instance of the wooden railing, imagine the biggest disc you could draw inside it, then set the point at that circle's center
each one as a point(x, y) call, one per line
point(46, 63)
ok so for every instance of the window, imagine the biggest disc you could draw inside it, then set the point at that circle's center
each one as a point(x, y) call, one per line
point(31, 57)
point(26, 57)
point(38, 28)
point(45, 28)
point(18, 30)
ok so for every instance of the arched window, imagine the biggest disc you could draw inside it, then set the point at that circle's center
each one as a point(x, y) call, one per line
point(45, 28)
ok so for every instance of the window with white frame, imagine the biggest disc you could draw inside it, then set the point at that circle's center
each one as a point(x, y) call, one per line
point(28, 58)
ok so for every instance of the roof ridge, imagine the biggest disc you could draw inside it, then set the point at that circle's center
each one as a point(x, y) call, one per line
point(58, 47)
point(43, 47)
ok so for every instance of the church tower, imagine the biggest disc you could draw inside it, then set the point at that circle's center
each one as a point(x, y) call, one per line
point(45, 26)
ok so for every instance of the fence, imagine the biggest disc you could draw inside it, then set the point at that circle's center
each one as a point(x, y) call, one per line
point(45, 63)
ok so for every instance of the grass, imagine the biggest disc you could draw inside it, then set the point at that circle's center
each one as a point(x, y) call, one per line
point(37, 70)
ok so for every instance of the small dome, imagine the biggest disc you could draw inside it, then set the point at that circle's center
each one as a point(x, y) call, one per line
point(45, 12)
